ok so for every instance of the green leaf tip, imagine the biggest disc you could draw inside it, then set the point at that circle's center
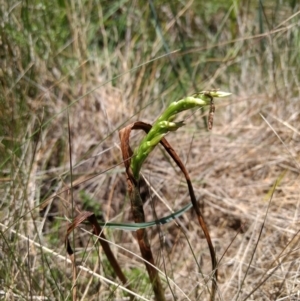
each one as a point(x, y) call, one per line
point(170, 126)
point(212, 93)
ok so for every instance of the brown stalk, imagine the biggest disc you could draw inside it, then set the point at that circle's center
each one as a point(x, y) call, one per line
point(97, 230)
point(136, 203)
point(200, 217)
point(138, 215)
point(211, 114)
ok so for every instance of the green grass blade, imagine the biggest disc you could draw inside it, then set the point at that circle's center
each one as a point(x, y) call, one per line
point(136, 226)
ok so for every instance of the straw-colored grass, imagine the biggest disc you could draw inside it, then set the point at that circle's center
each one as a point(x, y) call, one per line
point(75, 72)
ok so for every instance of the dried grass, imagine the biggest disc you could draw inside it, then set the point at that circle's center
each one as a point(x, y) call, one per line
point(248, 162)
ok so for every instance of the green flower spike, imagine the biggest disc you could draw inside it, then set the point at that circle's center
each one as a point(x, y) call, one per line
point(165, 124)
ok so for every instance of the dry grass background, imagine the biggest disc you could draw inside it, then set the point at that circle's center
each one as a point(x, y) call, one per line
point(84, 69)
